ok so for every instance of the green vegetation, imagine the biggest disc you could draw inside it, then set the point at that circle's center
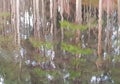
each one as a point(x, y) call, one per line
point(72, 26)
point(5, 14)
point(39, 43)
point(7, 43)
point(6, 38)
point(54, 48)
point(75, 49)
point(9, 69)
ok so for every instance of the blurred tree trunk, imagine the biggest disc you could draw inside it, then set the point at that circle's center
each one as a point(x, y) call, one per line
point(79, 11)
point(13, 20)
point(118, 6)
point(78, 19)
point(36, 21)
point(100, 29)
point(43, 20)
point(1, 27)
point(54, 18)
point(18, 22)
point(57, 33)
point(118, 12)
point(99, 61)
point(18, 37)
point(61, 13)
point(107, 42)
point(4, 17)
point(51, 16)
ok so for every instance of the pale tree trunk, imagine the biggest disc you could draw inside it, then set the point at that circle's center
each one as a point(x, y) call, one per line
point(51, 16)
point(100, 29)
point(13, 20)
point(15, 23)
point(78, 18)
point(61, 14)
point(43, 20)
point(37, 21)
point(36, 18)
point(4, 19)
point(118, 12)
point(18, 37)
point(2, 26)
point(79, 11)
point(99, 61)
point(107, 29)
point(18, 22)
point(1, 20)
point(118, 35)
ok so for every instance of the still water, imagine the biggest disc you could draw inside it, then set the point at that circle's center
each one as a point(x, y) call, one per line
point(15, 69)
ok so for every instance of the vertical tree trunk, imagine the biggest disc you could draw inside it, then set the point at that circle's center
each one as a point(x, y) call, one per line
point(78, 18)
point(4, 18)
point(55, 18)
point(36, 21)
point(79, 11)
point(100, 29)
point(1, 19)
point(34, 17)
point(57, 30)
point(18, 22)
point(13, 20)
point(61, 14)
point(118, 35)
point(107, 29)
point(118, 12)
point(43, 15)
point(99, 61)
point(18, 37)
point(51, 17)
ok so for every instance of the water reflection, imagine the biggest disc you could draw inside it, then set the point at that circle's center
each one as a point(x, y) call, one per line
point(47, 71)
point(104, 78)
point(1, 80)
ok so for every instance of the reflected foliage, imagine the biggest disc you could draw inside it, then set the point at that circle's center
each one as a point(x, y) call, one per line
point(75, 50)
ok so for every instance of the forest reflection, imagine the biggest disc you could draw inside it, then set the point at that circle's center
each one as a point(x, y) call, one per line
point(59, 42)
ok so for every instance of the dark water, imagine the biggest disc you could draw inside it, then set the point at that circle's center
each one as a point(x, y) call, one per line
point(18, 69)
point(56, 66)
